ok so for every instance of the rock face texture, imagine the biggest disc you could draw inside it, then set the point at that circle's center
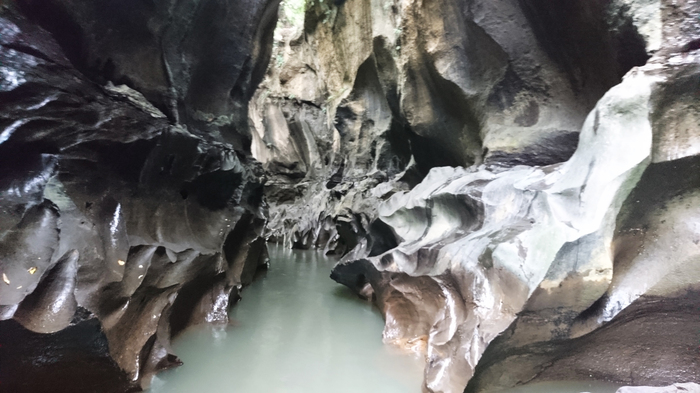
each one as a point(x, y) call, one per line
point(567, 248)
point(675, 388)
point(370, 95)
point(515, 183)
point(327, 128)
point(130, 207)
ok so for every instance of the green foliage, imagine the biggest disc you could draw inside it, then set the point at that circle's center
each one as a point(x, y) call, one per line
point(292, 12)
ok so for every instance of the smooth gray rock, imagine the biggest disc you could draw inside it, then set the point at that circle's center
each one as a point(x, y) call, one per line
point(522, 247)
point(497, 245)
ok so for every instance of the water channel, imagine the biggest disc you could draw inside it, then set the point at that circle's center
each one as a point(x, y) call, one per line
point(297, 331)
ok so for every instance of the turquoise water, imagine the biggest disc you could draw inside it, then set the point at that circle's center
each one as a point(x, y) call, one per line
point(295, 330)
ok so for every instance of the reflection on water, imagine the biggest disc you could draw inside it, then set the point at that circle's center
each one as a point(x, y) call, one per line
point(295, 331)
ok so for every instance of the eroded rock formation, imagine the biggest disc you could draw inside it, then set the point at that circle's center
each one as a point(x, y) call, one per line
point(130, 207)
point(543, 262)
point(515, 271)
point(369, 96)
point(513, 182)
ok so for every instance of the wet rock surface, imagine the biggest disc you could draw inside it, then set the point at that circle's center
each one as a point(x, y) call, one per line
point(520, 268)
point(130, 207)
point(514, 183)
point(367, 97)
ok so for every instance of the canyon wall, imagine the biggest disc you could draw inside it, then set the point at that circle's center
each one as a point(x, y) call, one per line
point(367, 97)
point(512, 182)
point(130, 206)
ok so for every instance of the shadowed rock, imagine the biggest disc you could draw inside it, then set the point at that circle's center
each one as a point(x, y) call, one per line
point(675, 388)
point(126, 167)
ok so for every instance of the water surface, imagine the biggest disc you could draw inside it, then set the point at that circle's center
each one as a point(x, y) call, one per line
point(295, 330)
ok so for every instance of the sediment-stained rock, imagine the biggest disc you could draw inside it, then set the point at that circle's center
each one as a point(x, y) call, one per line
point(369, 96)
point(130, 207)
point(517, 246)
point(541, 269)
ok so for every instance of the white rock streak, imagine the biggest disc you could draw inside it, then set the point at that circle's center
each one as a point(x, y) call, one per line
point(528, 215)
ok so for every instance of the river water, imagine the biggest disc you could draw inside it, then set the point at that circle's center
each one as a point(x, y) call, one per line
point(297, 331)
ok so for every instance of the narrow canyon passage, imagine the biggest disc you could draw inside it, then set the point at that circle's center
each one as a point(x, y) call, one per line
point(512, 187)
point(295, 331)
point(299, 332)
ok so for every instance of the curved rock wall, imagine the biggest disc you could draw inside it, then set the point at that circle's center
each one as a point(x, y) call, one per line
point(130, 207)
point(369, 96)
point(547, 271)
point(327, 126)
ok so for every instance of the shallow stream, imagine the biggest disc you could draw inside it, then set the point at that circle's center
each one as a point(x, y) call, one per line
point(297, 331)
